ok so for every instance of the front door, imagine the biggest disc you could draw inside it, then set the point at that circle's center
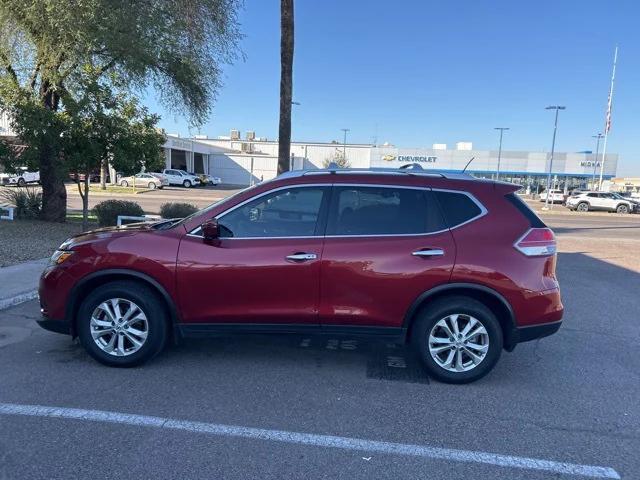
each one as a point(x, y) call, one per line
point(385, 245)
point(265, 268)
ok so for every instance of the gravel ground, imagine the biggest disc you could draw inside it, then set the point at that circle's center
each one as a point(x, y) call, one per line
point(23, 240)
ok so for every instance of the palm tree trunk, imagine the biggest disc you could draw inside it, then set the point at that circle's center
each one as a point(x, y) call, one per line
point(286, 84)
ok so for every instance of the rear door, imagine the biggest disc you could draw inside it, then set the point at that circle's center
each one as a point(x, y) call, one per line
point(384, 246)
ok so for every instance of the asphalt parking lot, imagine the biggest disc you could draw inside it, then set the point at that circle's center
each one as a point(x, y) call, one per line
point(297, 407)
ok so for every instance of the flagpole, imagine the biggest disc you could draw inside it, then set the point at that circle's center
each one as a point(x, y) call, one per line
point(607, 125)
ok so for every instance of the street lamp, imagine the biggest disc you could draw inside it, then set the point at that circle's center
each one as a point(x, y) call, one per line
point(502, 129)
point(344, 145)
point(593, 177)
point(557, 108)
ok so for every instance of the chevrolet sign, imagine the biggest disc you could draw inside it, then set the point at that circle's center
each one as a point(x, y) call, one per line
point(416, 159)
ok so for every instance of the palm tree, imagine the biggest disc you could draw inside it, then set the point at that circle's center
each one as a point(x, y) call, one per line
point(286, 84)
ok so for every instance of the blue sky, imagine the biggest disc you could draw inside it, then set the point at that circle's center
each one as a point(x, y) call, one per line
point(418, 72)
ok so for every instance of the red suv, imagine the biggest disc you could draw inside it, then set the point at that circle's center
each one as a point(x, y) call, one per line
point(459, 267)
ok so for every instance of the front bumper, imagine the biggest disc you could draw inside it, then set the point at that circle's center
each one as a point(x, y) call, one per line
point(57, 326)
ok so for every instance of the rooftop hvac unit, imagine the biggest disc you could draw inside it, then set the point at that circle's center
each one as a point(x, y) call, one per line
point(464, 146)
point(235, 134)
point(251, 136)
point(439, 146)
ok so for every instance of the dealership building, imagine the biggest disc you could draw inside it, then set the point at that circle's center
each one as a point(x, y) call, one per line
point(244, 161)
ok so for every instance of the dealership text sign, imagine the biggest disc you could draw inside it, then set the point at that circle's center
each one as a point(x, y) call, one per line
point(416, 159)
point(588, 163)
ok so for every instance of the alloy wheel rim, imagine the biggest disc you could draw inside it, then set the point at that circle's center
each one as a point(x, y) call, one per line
point(119, 327)
point(458, 343)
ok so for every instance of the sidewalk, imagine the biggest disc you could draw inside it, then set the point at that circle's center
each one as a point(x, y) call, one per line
point(19, 283)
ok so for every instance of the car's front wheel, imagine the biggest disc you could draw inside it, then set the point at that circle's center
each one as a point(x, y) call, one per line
point(152, 186)
point(124, 183)
point(21, 182)
point(458, 338)
point(622, 208)
point(187, 184)
point(122, 324)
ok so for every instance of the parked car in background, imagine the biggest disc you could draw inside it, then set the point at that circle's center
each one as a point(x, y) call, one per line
point(206, 179)
point(180, 177)
point(162, 177)
point(555, 196)
point(393, 255)
point(21, 178)
point(634, 201)
point(94, 176)
point(143, 180)
point(603, 201)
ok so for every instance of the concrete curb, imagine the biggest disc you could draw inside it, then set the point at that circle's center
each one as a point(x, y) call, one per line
point(18, 299)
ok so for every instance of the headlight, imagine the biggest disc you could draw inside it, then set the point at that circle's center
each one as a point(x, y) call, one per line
point(60, 256)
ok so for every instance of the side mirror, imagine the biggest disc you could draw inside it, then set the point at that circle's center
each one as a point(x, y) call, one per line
point(210, 229)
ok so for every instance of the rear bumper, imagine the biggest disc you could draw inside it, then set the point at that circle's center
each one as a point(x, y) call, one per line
point(526, 334)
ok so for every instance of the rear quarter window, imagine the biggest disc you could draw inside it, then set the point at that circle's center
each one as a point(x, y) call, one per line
point(457, 207)
point(525, 210)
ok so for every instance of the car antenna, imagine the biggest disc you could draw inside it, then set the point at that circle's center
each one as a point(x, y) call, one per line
point(465, 167)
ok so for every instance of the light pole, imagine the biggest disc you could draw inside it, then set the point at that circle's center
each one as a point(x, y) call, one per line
point(344, 145)
point(502, 129)
point(557, 108)
point(593, 177)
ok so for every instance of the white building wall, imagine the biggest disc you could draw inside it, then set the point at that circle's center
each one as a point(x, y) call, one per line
point(237, 170)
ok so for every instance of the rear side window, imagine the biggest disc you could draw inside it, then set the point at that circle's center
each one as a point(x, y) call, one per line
point(524, 209)
point(457, 207)
point(383, 211)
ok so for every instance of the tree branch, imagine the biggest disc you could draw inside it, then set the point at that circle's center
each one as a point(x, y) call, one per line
point(34, 76)
point(7, 66)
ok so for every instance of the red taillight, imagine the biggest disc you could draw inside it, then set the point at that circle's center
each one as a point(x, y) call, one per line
point(537, 242)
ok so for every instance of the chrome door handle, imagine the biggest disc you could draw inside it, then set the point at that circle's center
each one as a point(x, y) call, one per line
point(433, 252)
point(301, 257)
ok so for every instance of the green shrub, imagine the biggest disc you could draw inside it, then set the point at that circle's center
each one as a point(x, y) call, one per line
point(26, 200)
point(108, 211)
point(177, 210)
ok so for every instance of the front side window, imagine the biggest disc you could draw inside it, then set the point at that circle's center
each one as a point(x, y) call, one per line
point(292, 212)
point(382, 211)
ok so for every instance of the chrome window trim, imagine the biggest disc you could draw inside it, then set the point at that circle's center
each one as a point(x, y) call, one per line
point(483, 211)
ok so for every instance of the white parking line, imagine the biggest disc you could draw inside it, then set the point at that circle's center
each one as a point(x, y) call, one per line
point(344, 443)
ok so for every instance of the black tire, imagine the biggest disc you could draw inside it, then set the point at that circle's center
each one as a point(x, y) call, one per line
point(147, 300)
point(186, 184)
point(152, 186)
point(124, 183)
point(582, 207)
point(441, 308)
point(622, 208)
point(21, 182)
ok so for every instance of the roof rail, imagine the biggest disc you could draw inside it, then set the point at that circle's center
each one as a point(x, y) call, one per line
point(409, 169)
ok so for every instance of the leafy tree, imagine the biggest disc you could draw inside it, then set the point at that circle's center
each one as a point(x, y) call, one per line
point(338, 158)
point(47, 45)
point(108, 127)
point(286, 84)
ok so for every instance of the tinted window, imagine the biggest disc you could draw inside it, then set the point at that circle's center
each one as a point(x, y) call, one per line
point(592, 195)
point(457, 207)
point(382, 211)
point(292, 212)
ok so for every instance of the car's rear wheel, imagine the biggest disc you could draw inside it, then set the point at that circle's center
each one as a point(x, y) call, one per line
point(21, 182)
point(583, 207)
point(124, 183)
point(458, 338)
point(122, 324)
point(186, 184)
point(622, 209)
